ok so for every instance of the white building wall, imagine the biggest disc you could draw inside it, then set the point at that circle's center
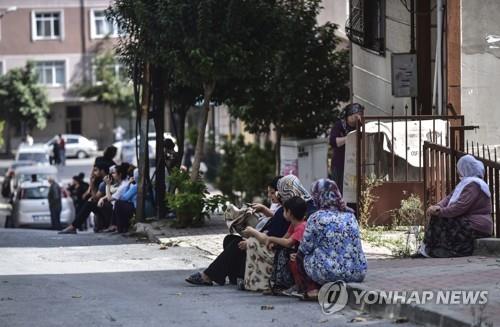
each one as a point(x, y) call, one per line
point(480, 69)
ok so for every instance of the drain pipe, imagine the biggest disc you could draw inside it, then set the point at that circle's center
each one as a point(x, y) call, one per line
point(438, 63)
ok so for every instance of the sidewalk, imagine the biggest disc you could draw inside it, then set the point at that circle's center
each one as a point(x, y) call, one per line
point(470, 273)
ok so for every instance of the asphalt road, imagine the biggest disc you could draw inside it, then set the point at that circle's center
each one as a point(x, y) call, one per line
point(90, 279)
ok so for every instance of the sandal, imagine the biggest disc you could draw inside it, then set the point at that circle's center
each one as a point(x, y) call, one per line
point(309, 298)
point(197, 279)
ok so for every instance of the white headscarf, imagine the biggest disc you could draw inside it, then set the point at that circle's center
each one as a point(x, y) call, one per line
point(471, 171)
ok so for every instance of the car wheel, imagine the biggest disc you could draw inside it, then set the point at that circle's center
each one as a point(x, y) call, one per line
point(81, 155)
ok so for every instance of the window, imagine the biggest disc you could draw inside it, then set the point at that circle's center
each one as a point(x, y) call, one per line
point(51, 73)
point(1, 68)
point(72, 140)
point(108, 72)
point(366, 24)
point(47, 25)
point(73, 121)
point(101, 26)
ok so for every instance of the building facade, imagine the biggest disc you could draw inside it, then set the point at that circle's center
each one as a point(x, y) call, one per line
point(61, 37)
point(459, 37)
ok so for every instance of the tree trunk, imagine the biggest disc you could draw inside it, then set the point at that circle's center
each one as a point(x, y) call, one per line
point(159, 121)
point(7, 138)
point(143, 145)
point(200, 142)
point(277, 152)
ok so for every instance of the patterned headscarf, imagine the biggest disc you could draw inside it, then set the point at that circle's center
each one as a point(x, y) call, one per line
point(290, 186)
point(326, 196)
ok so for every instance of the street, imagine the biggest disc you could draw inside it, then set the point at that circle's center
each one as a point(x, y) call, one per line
point(109, 280)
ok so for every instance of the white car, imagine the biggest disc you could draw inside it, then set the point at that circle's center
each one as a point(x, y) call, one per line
point(30, 206)
point(76, 146)
point(25, 173)
point(126, 149)
point(36, 153)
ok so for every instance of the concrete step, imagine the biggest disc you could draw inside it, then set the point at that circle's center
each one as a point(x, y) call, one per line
point(487, 247)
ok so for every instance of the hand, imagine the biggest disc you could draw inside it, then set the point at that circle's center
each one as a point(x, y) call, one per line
point(242, 245)
point(293, 257)
point(107, 180)
point(257, 207)
point(433, 210)
point(249, 231)
point(100, 203)
point(131, 180)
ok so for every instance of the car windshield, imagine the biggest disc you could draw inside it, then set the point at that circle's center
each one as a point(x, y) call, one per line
point(33, 156)
point(40, 192)
point(28, 177)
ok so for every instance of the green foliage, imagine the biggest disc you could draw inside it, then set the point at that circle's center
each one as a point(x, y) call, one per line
point(110, 87)
point(2, 126)
point(246, 169)
point(302, 83)
point(410, 213)
point(22, 99)
point(191, 201)
point(367, 198)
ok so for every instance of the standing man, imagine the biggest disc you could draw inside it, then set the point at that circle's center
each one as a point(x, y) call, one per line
point(352, 114)
point(62, 150)
point(55, 204)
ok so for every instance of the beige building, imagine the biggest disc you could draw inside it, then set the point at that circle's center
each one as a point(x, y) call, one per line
point(61, 37)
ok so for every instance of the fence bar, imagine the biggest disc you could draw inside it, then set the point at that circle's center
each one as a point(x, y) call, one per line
point(392, 143)
point(496, 221)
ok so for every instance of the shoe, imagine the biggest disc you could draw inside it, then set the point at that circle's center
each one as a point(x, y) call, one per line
point(196, 279)
point(67, 231)
point(418, 255)
point(240, 284)
point(292, 291)
point(309, 298)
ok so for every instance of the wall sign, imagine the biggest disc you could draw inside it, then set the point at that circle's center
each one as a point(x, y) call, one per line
point(404, 75)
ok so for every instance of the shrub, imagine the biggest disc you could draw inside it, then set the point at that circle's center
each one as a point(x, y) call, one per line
point(245, 169)
point(191, 201)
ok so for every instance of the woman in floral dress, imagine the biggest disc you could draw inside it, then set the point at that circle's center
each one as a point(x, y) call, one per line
point(331, 248)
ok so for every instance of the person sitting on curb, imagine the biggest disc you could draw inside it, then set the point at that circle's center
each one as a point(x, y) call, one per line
point(461, 217)
point(331, 247)
point(231, 262)
point(95, 192)
point(116, 186)
point(260, 259)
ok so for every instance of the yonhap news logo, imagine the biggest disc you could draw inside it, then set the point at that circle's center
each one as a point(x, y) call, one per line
point(334, 296)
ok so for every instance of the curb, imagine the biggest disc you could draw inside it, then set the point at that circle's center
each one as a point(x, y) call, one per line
point(414, 313)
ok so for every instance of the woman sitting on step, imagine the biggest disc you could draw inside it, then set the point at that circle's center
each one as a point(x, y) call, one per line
point(461, 217)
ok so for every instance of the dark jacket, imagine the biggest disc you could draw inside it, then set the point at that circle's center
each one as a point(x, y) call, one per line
point(54, 196)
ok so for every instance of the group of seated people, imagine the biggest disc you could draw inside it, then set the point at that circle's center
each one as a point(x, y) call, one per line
point(111, 196)
point(311, 239)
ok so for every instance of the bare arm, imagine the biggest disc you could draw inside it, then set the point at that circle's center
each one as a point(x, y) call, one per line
point(340, 141)
point(284, 241)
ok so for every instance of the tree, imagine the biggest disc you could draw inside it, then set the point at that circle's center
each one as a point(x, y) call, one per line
point(23, 101)
point(302, 85)
point(109, 86)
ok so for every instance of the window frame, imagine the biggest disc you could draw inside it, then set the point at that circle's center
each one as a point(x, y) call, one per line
point(34, 35)
point(93, 32)
point(54, 84)
point(367, 38)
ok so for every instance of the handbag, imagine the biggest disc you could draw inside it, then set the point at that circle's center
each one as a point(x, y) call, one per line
point(239, 219)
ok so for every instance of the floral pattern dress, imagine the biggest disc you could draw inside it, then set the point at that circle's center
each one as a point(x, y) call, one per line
point(332, 247)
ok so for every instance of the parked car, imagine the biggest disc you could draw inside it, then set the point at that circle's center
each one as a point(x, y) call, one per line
point(35, 154)
point(30, 206)
point(25, 173)
point(76, 146)
point(126, 149)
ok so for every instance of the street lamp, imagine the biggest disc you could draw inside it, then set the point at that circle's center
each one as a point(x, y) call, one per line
point(9, 9)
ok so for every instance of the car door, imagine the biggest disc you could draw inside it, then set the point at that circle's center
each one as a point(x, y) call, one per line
point(72, 146)
point(32, 204)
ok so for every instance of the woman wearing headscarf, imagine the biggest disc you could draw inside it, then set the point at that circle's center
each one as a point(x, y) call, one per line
point(461, 217)
point(331, 247)
point(259, 258)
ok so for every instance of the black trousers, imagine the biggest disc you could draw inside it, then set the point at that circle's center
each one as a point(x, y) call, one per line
point(230, 263)
point(102, 215)
point(55, 216)
point(122, 213)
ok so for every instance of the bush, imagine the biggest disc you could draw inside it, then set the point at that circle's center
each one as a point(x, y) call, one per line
point(246, 169)
point(190, 201)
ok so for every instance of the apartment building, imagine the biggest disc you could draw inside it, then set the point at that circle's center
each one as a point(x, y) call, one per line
point(61, 37)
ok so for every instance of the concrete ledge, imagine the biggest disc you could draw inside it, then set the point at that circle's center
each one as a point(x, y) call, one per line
point(413, 313)
point(487, 247)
